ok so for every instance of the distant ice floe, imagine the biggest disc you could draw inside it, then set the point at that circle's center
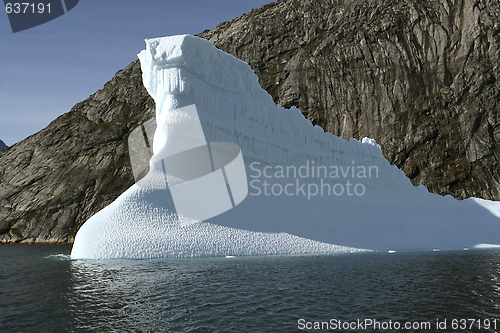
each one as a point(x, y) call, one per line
point(487, 246)
point(307, 190)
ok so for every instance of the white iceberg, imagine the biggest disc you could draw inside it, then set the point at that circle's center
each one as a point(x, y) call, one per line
point(305, 191)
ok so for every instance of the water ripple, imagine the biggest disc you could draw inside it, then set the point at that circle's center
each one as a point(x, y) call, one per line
point(51, 293)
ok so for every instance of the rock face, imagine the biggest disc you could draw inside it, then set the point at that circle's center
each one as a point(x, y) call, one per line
point(420, 77)
point(3, 146)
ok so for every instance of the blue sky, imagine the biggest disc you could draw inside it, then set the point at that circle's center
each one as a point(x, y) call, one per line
point(46, 70)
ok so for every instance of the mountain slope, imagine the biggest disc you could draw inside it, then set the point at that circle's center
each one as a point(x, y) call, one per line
point(54, 180)
point(420, 77)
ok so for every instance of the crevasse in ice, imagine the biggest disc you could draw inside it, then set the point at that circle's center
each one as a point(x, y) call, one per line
point(308, 191)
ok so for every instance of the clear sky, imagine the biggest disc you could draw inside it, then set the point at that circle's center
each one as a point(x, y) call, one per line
point(46, 70)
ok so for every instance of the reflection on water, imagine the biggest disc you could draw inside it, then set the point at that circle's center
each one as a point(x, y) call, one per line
point(491, 281)
point(174, 295)
point(42, 290)
point(33, 289)
point(127, 295)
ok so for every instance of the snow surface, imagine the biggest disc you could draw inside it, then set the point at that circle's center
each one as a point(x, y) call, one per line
point(391, 213)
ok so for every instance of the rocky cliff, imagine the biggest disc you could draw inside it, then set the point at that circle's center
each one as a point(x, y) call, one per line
point(421, 77)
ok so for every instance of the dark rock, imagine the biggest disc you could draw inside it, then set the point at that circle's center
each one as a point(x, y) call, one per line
point(4, 227)
point(3, 146)
point(420, 77)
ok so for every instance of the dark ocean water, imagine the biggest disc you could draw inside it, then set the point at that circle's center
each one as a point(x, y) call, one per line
point(42, 290)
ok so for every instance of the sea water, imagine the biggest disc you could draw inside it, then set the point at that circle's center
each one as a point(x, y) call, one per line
point(42, 290)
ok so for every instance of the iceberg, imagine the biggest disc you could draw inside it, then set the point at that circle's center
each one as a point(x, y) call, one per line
point(225, 172)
